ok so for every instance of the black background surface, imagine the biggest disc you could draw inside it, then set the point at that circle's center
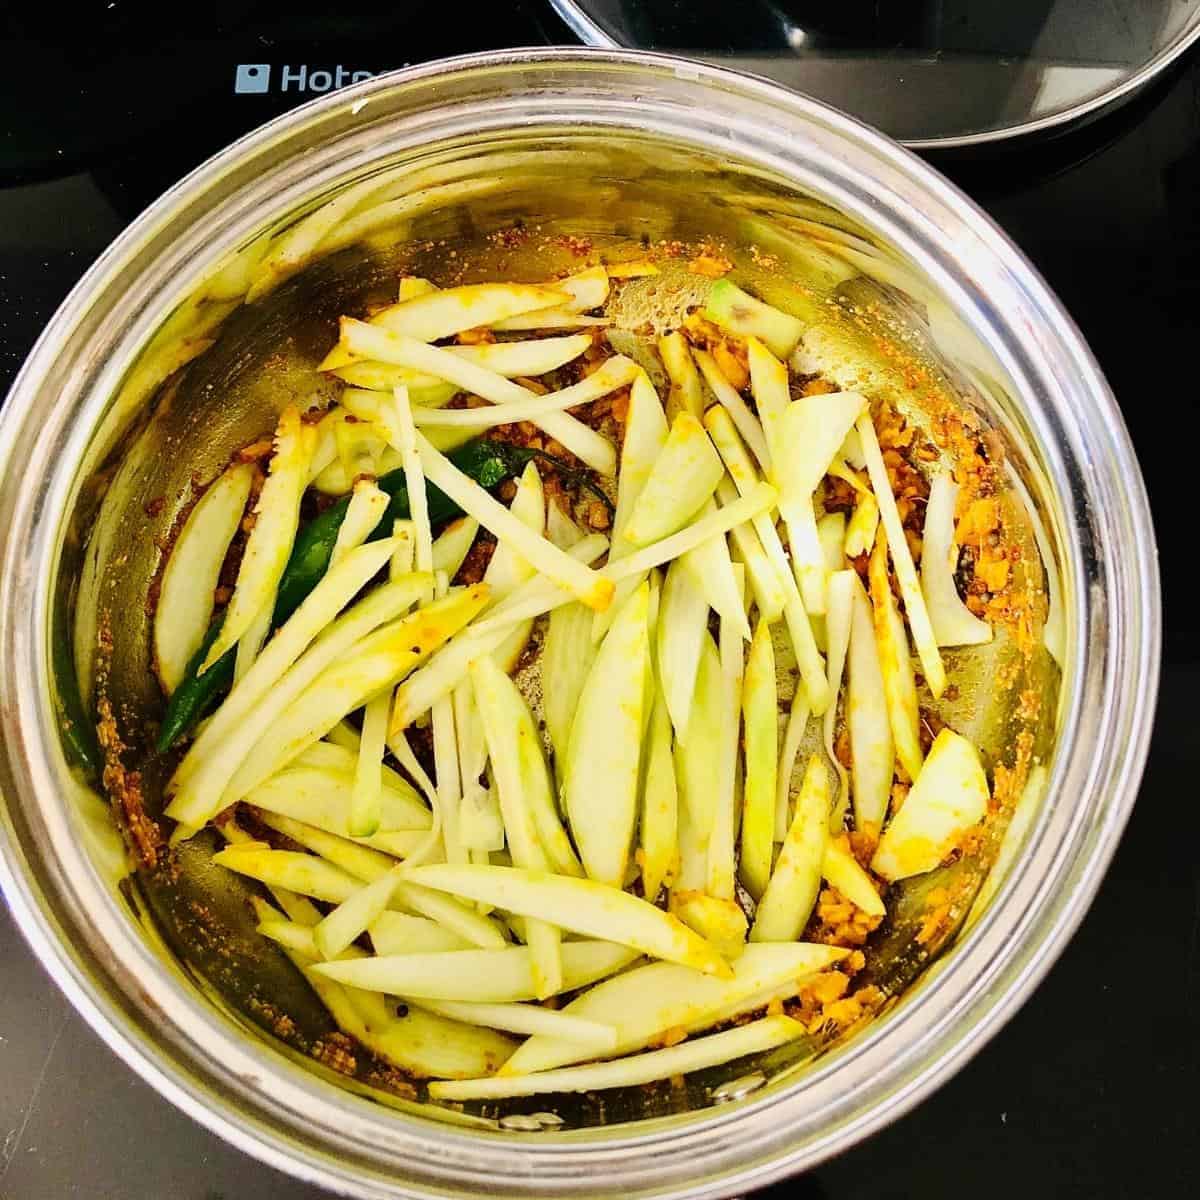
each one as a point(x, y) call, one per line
point(1090, 1091)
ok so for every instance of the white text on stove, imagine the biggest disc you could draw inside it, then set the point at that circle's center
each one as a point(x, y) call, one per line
point(301, 79)
point(251, 78)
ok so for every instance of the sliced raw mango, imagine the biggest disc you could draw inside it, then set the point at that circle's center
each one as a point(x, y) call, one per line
point(371, 342)
point(872, 751)
point(321, 798)
point(541, 595)
point(710, 526)
point(451, 546)
point(839, 612)
point(277, 516)
point(770, 594)
point(417, 694)
point(792, 891)
point(691, 842)
point(550, 318)
point(841, 870)
point(949, 797)
point(660, 803)
point(735, 408)
point(899, 680)
point(741, 470)
point(292, 936)
point(593, 589)
point(769, 387)
point(567, 655)
point(338, 754)
point(368, 503)
point(586, 289)
point(646, 1002)
point(488, 976)
point(718, 920)
point(760, 716)
point(535, 833)
point(746, 316)
point(359, 448)
point(507, 570)
point(412, 286)
point(449, 781)
point(399, 933)
point(305, 874)
point(698, 754)
point(613, 374)
point(804, 440)
point(645, 436)
point(712, 567)
point(423, 1043)
point(693, 1055)
point(396, 421)
point(852, 451)
point(352, 917)
point(528, 1019)
point(860, 529)
point(560, 528)
point(583, 291)
point(682, 626)
point(525, 359)
point(510, 734)
point(831, 530)
point(366, 800)
point(404, 557)
point(355, 857)
point(350, 866)
point(953, 623)
point(684, 475)
point(481, 823)
point(580, 905)
point(722, 844)
point(600, 775)
point(281, 674)
point(440, 314)
point(185, 598)
point(381, 378)
point(380, 662)
point(906, 572)
point(441, 675)
point(419, 1042)
point(686, 393)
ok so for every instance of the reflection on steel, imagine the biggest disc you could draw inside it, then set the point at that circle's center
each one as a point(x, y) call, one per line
point(736, 1089)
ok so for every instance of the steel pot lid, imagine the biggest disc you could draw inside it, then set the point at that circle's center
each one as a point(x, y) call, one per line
point(930, 73)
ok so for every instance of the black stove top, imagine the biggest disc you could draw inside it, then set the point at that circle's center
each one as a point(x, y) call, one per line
point(1090, 1090)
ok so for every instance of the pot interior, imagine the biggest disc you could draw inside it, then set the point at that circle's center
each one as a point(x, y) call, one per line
point(521, 205)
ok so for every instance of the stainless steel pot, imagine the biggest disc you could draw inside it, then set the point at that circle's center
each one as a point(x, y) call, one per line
point(592, 144)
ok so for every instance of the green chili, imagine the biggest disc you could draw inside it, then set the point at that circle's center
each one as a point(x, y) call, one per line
point(487, 462)
point(196, 693)
point(78, 733)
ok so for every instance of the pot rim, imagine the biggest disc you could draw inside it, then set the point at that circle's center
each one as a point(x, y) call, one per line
point(260, 1100)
